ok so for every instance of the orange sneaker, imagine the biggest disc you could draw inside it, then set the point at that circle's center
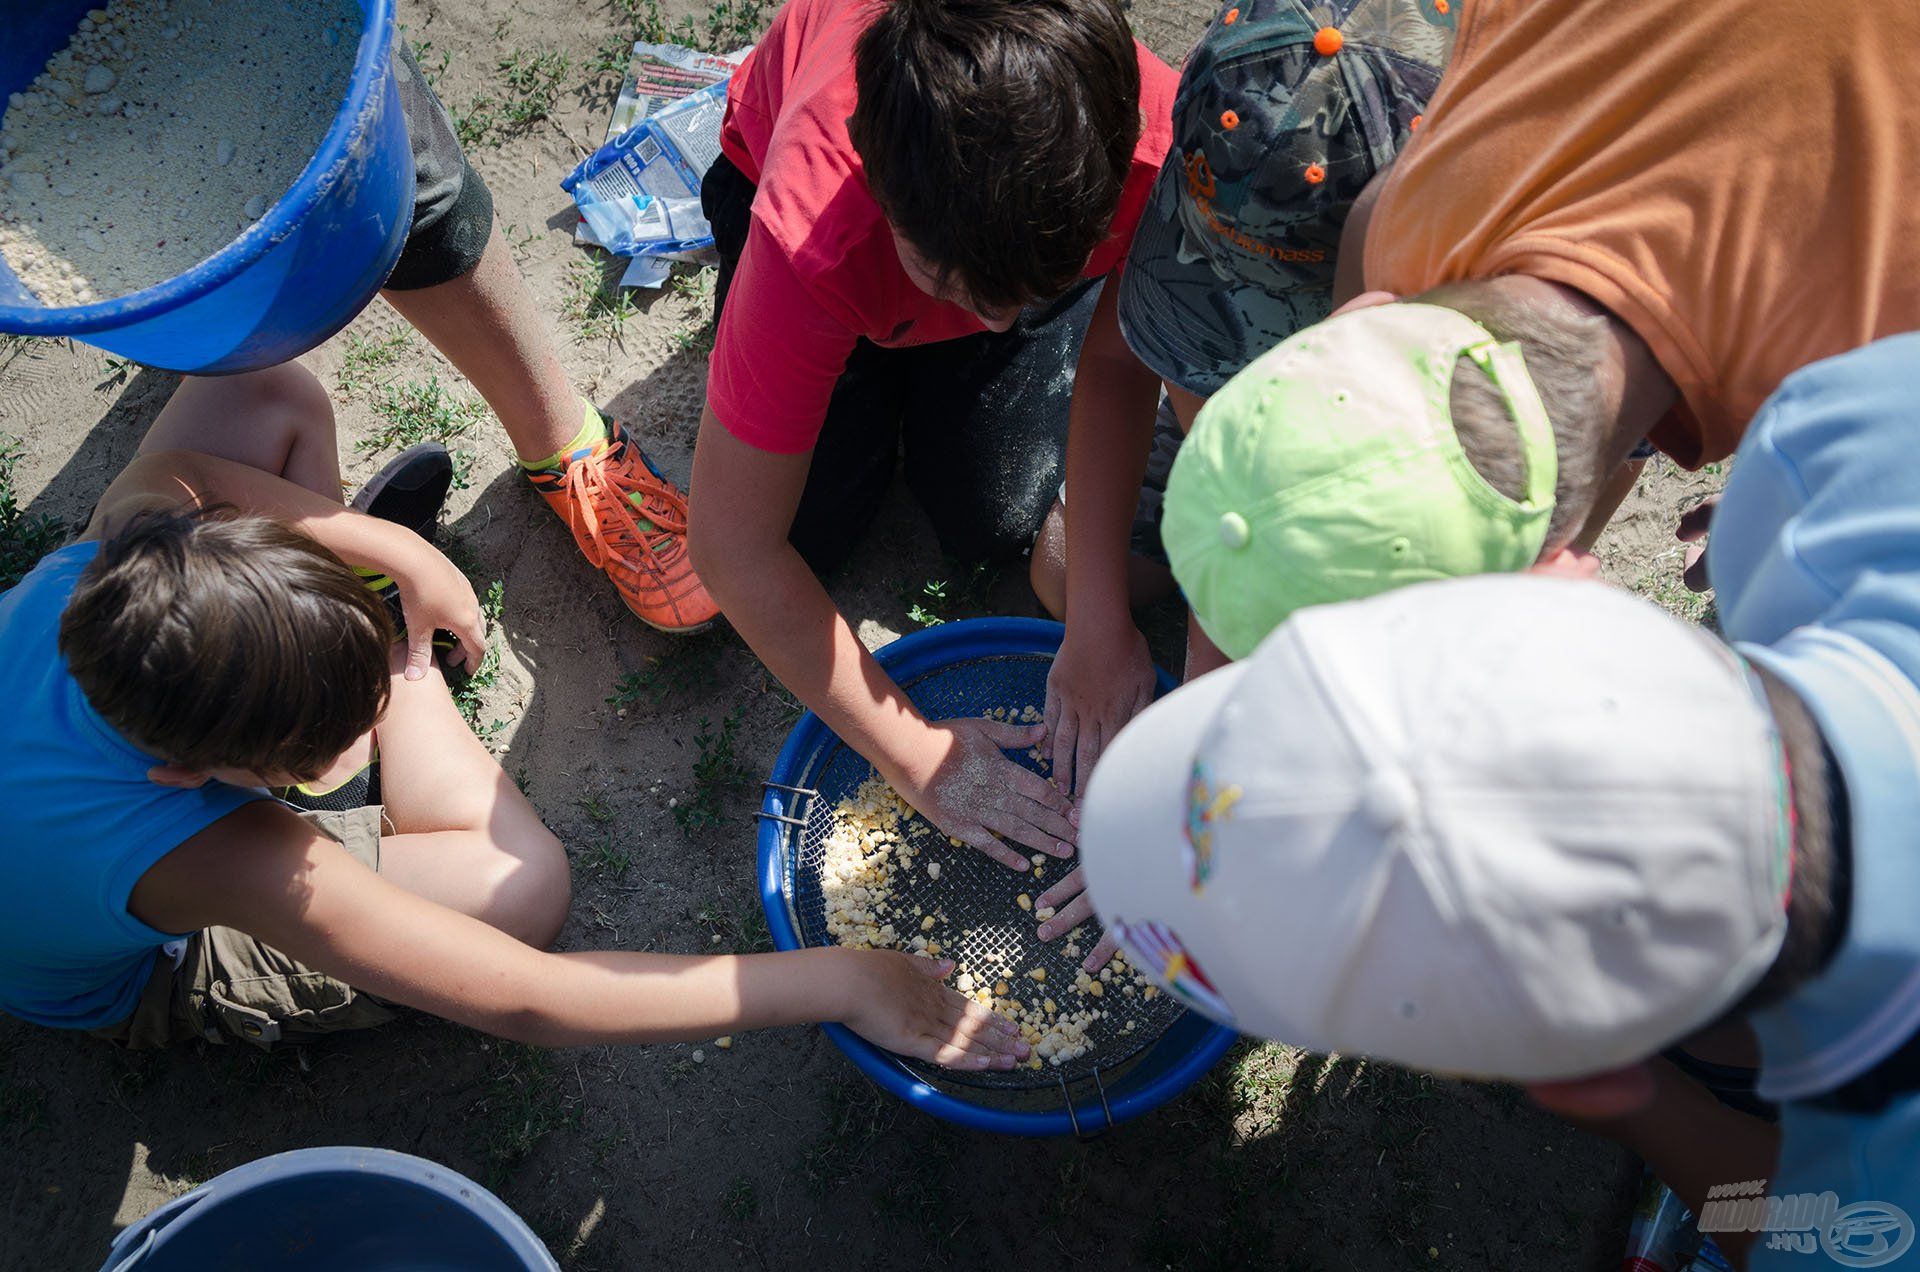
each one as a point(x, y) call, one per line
point(632, 524)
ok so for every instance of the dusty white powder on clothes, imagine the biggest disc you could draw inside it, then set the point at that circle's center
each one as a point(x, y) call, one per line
point(160, 133)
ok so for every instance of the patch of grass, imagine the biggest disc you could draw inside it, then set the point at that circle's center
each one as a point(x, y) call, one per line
point(595, 806)
point(728, 25)
point(1663, 584)
point(690, 666)
point(370, 361)
point(696, 288)
point(424, 411)
point(116, 372)
point(597, 306)
point(24, 537)
point(530, 85)
point(738, 1202)
point(523, 1104)
point(938, 601)
point(718, 774)
point(858, 1116)
point(604, 860)
point(467, 695)
point(742, 931)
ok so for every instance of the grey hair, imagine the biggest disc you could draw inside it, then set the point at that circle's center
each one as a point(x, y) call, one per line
point(1565, 354)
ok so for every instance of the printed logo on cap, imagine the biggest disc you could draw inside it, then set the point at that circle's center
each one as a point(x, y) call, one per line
point(1155, 947)
point(1207, 807)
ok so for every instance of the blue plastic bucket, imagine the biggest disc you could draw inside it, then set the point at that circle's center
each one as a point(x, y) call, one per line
point(328, 1209)
point(295, 276)
point(1175, 1061)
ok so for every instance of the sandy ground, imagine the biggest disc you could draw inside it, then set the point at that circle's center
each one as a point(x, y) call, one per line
point(774, 1153)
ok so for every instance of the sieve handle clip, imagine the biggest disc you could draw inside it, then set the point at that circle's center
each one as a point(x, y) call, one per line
point(807, 791)
point(1073, 1114)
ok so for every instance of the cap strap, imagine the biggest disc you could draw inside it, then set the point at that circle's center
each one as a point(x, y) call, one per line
point(1507, 368)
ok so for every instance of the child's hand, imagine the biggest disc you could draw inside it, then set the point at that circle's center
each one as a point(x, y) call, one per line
point(438, 597)
point(1073, 907)
point(964, 784)
point(900, 1002)
point(1098, 682)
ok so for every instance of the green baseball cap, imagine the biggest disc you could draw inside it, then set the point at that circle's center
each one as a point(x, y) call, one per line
point(1329, 469)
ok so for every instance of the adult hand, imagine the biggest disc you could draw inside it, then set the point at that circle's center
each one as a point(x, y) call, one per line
point(1693, 532)
point(962, 782)
point(438, 597)
point(900, 1002)
point(1072, 907)
point(1099, 681)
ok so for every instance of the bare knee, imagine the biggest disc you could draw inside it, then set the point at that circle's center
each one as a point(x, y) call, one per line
point(534, 890)
point(1048, 571)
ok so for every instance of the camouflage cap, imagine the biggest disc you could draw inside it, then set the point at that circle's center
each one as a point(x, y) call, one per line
point(1286, 110)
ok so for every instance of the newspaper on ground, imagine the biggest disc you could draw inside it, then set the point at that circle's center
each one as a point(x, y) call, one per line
point(639, 193)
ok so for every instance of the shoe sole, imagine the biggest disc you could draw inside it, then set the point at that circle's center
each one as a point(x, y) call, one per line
point(695, 630)
point(382, 479)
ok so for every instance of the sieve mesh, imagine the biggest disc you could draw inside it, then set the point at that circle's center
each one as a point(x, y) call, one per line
point(986, 928)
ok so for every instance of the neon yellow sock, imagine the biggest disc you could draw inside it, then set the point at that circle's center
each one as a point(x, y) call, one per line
point(593, 430)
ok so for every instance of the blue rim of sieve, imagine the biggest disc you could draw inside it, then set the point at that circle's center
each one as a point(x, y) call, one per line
point(1188, 1048)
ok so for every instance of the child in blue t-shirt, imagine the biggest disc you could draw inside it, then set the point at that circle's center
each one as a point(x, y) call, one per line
point(204, 642)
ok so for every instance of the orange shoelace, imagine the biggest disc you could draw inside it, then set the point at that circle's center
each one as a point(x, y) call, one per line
point(600, 501)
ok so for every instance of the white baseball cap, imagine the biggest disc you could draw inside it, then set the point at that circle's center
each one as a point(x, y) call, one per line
point(1503, 826)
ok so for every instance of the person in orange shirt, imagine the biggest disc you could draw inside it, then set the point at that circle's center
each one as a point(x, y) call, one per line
point(1668, 207)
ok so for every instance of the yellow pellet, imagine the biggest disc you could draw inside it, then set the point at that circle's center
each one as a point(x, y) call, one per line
point(1001, 989)
point(926, 924)
point(723, 1041)
point(1038, 973)
point(1096, 989)
point(1024, 901)
point(933, 949)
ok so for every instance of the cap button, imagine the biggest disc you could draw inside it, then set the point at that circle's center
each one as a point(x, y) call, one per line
point(1327, 41)
point(1389, 800)
point(1234, 530)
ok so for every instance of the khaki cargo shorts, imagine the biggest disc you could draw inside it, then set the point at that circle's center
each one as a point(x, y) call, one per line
point(231, 986)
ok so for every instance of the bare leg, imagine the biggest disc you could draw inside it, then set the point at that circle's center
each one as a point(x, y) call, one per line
point(278, 420)
point(1148, 581)
point(487, 324)
point(1607, 501)
point(465, 835)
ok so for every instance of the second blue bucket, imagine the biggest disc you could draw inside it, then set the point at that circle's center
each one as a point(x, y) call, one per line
point(296, 276)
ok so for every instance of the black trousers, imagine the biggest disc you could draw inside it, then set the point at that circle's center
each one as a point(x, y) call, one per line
point(981, 422)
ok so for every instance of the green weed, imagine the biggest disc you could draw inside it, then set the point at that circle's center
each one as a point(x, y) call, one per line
point(717, 774)
point(467, 695)
point(605, 861)
point(858, 1117)
point(728, 25)
point(738, 1203)
point(523, 1104)
point(597, 306)
point(696, 290)
point(424, 411)
point(24, 537)
point(689, 667)
point(595, 806)
point(116, 372)
point(939, 601)
point(370, 361)
point(530, 85)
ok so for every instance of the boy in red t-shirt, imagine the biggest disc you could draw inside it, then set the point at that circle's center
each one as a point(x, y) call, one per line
point(914, 207)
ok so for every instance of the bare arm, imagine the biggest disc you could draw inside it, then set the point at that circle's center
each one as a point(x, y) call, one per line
point(1103, 676)
point(264, 871)
point(1349, 267)
point(436, 595)
point(952, 771)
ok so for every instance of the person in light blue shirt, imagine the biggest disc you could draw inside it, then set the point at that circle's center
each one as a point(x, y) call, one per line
point(1536, 829)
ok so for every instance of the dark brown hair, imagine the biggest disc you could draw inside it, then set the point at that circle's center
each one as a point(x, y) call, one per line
point(219, 641)
point(997, 135)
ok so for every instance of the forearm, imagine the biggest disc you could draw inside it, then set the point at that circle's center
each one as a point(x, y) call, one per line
point(786, 617)
point(196, 479)
point(1109, 439)
point(615, 997)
